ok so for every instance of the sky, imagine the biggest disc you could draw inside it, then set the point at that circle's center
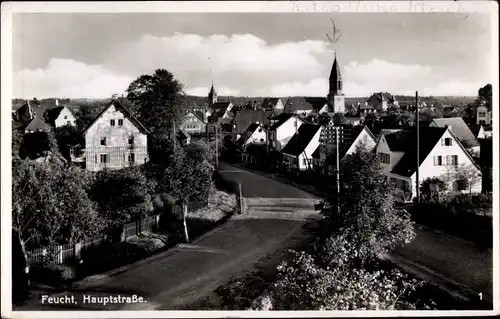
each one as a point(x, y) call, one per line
point(96, 55)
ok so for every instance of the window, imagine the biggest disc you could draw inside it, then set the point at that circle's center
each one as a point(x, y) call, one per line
point(131, 140)
point(104, 158)
point(65, 117)
point(96, 159)
point(260, 130)
point(454, 160)
point(385, 158)
point(482, 114)
point(103, 141)
point(447, 141)
point(262, 140)
point(131, 157)
point(438, 160)
point(112, 122)
point(120, 122)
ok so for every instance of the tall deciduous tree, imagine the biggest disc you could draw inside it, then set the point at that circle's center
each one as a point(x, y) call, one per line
point(485, 95)
point(367, 215)
point(123, 195)
point(158, 101)
point(187, 179)
point(50, 205)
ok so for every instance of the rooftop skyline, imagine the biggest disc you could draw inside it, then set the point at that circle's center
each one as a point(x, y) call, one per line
point(252, 54)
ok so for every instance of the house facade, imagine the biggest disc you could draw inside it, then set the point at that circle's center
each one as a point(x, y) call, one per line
point(193, 123)
point(283, 130)
point(441, 156)
point(272, 104)
point(381, 101)
point(115, 140)
point(297, 154)
point(461, 131)
point(483, 116)
point(60, 116)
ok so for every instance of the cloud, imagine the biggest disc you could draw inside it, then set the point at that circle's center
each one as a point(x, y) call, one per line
point(69, 78)
point(240, 64)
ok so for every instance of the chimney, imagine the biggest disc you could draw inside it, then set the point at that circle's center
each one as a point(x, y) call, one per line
point(57, 102)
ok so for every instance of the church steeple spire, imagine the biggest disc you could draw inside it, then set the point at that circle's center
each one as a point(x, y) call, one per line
point(336, 99)
point(212, 96)
point(335, 78)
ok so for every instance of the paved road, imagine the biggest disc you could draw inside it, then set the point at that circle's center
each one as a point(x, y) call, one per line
point(184, 275)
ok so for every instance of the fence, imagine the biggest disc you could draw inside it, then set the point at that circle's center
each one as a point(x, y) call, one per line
point(60, 254)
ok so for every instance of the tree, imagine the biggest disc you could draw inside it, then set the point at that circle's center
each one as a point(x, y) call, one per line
point(123, 195)
point(38, 144)
point(432, 187)
point(304, 285)
point(199, 151)
point(367, 215)
point(186, 179)
point(158, 101)
point(50, 205)
point(467, 176)
point(339, 119)
point(17, 142)
point(68, 137)
point(485, 96)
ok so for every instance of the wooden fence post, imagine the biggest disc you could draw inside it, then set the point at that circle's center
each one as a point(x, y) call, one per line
point(122, 233)
point(59, 254)
point(241, 198)
point(78, 249)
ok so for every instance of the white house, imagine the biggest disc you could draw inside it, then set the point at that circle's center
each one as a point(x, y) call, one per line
point(283, 128)
point(353, 137)
point(483, 116)
point(297, 154)
point(441, 155)
point(115, 139)
point(460, 130)
point(272, 104)
point(60, 116)
point(254, 134)
point(194, 122)
point(485, 132)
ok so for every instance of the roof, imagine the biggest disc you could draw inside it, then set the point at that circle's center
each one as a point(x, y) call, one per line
point(406, 166)
point(52, 114)
point(125, 110)
point(37, 124)
point(459, 129)
point(382, 96)
point(335, 72)
point(245, 117)
point(301, 139)
point(270, 103)
point(297, 103)
point(352, 134)
point(280, 119)
point(199, 115)
point(220, 105)
point(247, 133)
point(182, 134)
point(396, 140)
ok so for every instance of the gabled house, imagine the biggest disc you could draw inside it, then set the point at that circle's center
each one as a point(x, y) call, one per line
point(485, 132)
point(272, 104)
point(350, 138)
point(441, 155)
point(297, 154)
point(381, 101)
point(283, 127)
point(306, 105)
point(115, 139)
point(254, 134)
point(37, 125)
point(183, 137)
point(483, 115)
point(223, 108)
point(59, 116)
point(194, 122)
point(460, 130)
point(245, 117)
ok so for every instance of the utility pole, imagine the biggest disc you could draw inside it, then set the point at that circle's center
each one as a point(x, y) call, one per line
point(216, 149)
point(337, 168)
point(418, 147)
point(174, 137)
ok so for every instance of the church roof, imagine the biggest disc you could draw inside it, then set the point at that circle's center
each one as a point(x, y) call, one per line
point(335, 73)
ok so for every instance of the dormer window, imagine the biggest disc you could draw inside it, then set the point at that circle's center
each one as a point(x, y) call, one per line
point(112, 122)
point(103, 141)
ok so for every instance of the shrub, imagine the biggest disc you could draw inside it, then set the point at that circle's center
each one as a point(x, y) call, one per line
point(53, 274)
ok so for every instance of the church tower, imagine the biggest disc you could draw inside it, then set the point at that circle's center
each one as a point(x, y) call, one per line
point(336, 99)
point(212, 96)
